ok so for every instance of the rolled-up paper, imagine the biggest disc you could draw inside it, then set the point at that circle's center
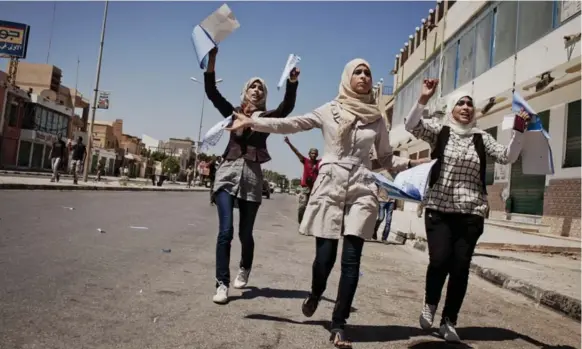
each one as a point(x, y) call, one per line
point(292, 62)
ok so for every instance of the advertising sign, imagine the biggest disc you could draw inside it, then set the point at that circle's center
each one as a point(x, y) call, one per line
point(13, 39)
point(103, 102)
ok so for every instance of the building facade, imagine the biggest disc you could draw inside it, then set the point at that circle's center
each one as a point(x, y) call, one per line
point(488, 49)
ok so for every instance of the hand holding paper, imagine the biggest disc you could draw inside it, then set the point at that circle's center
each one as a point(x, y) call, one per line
point(214, 29)
point(292, 62)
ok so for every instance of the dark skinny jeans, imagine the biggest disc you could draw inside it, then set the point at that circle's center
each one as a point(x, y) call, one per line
point(247, 213)
point(325, 256)
point(451, 238)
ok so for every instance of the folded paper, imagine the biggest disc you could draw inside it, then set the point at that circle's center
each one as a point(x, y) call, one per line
point(292, 62)
point(213, 30)
point(409, 185)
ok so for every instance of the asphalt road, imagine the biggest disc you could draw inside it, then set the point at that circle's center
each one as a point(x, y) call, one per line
point(65, 285)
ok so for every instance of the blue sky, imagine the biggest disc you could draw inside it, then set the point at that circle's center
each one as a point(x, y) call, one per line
point(148, 56)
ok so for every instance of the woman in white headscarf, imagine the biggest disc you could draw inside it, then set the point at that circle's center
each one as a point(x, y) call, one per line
point(239, 179)
point(344, 197)
point(456, 202)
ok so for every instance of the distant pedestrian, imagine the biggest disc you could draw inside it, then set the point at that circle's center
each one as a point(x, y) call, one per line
point(456, 201)
point(79, 155)
point(189, 174)
point(310, 171)
point(385, 210)
point(99, 170)
point(57, 156)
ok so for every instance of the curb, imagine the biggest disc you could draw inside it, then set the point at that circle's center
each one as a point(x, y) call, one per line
point(21, 186)
point(561, 303)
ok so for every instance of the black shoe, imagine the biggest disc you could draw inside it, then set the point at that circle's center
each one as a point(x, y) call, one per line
point(309, 306)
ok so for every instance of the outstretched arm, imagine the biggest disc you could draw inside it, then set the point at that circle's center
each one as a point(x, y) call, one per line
point(288, 103)
point(219, 102)
point(288, 125)
point(508, 154)
point(295, 150)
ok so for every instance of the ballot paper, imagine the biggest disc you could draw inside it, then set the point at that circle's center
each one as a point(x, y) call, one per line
point(409, 185)
point(213, 30)
point(292, 62)
point(212, 137)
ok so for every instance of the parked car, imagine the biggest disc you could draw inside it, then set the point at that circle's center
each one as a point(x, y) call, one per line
point(266, 189)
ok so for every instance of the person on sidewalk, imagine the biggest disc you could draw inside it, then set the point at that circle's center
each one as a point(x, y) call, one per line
point(79, 154)
point(385, 209)
point(456, 201)
point(240, 177)
point(310, 171)
point(57, 156)
point(189, 174)
point(344, 199)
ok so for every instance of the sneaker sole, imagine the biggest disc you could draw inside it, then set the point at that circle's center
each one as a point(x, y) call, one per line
point(239, 286)
point(424, 323)
point(221, 302)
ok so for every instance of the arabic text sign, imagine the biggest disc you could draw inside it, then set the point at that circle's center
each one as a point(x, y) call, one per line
point(14, 39)
point(103, 102)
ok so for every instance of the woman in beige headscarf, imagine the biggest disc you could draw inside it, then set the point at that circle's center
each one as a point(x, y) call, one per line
point(344, 197)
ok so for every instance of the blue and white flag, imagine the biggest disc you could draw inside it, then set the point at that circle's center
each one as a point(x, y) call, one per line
point(292, 62)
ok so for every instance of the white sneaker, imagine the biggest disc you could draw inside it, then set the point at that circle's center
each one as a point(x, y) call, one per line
point(221, 296)
point(242, 278)
point(427, 316)
point(449, 333)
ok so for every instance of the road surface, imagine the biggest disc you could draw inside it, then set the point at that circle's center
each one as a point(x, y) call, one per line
point(66, 285)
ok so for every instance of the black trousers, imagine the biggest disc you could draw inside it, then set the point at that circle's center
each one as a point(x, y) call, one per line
point(451, 238)
point(325, 256)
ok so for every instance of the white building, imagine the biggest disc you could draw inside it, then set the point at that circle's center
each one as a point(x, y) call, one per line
point(150, 142)
point(489, 48)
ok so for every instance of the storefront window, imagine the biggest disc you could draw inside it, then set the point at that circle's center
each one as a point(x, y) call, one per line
point(573, 154)
point(37, 155)
point(24, 154)
point(12, 112)
point(47, 160)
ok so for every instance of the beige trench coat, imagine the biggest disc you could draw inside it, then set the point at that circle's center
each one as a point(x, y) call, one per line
point(344, 198)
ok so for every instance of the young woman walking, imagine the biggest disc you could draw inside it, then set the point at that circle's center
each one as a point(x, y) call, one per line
point(456, 201)
point(239, 177)
point(344, 196)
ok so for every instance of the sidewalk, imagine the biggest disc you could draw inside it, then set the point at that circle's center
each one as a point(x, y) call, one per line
point(110, 184)
point(551, 279)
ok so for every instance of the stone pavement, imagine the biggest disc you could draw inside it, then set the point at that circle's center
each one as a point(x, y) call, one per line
point(66, 285)
point(552, 280)
point(109, 183)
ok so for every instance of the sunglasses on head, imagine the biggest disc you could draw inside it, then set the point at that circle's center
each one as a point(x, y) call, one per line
point(360, 71)
point(463, 102)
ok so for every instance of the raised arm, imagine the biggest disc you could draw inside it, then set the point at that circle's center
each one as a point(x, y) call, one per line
point(295, 150)
point(508, 154)
point(414, 123)
point(219, 102)
point(288, 103)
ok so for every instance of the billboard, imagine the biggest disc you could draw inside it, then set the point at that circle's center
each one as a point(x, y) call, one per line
point(13, 39)
point(103, 102)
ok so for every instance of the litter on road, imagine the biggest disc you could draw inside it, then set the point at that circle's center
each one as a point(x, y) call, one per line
point(101, 230)
point(69, 208)
point(166, 250)
point(139, 228)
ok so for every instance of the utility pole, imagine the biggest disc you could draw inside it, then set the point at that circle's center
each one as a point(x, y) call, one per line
point(48, 53)
point(89, 161)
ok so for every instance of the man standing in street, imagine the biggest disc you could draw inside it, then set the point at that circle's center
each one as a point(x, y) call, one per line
point(79, 154)
point(310, 172)
point(57, 156)
point(385, 209)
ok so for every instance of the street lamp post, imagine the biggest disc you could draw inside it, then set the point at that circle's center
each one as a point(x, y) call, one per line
point(201, 119)
point(89, 159)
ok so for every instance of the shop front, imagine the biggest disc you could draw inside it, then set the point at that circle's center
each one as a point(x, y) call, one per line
point(34, 148)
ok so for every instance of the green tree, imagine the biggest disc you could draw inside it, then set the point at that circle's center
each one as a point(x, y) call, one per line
point(295, 182)
point(171, 165)
point(158, 156)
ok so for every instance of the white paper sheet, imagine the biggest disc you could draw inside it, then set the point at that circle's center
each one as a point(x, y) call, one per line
point(536, 155)
point(212, 137)
point(292, 62)
point(507, 123)
point(220, 24)
point(214, 29)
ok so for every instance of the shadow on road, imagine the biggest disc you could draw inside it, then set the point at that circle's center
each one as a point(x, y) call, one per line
point(255, 292)
point(389, 333)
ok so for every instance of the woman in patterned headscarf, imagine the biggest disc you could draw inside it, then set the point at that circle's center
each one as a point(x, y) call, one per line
point(344, 197)
point(239, 179)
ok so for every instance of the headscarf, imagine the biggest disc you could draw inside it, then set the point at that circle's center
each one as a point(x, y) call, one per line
point(246, 104)
point(456, 126)
point(355, 106)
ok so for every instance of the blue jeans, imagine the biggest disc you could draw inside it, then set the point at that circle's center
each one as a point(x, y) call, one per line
point(247, 213)
point(385, 210)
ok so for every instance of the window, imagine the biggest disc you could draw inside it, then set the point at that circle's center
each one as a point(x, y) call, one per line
point(490, 169)
point(466, 57)
point(536, 19)
point(12, 112)
point(37, 117)
point(24, 153)
point(414, 156)
point(423, 154)
point(573, 154)
point(47, 160)
point(483, 44)
point(37, 155)
point(505, 27)
point(449, 64)
point(567, 10)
